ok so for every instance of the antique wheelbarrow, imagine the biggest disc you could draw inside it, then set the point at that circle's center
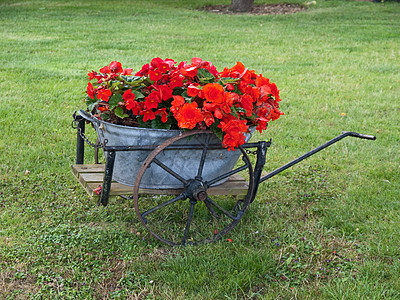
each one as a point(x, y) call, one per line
point(200, 208)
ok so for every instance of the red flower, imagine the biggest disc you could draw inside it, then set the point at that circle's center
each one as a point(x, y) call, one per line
point(155, 62)
point(127, 71)
point(104, 94)
point(234, 133)
point(144, 71)
point(155, 75)
point(262, 124)
point(133, 106)
point(115, 67)
point(178, 101)
point(176, 81)
point(130, 102)
point(163, 113)
point(167, 88)
point(90, 90)
point(164, 91)
point(176, 104)
point(92, 75)
point(208, 118)
point(246, 102)
point(152, 100)
point(103, 107)
point(148, 114)
point(193, 90)
point(189, 115)
point(230, 87)
point(105, 70)
point(164, 67)
point(213, 92)
point(189, 71)
point(128, 95)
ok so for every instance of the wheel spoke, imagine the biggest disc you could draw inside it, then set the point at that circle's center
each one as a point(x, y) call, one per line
point(161, 205)
point(189, 221)
point(226, 175)
point(223, 210)
point(203, 157)
point(211, 209)
point(164, 167)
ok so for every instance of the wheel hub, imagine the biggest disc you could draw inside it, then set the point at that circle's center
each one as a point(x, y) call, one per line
point(196, 190)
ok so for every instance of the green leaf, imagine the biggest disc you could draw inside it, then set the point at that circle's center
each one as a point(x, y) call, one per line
point(130, 78)
point(137, 94)
point(91, 103)
point(205, 76)
point(234, 112)
point(158, 124)
point(114, 100)
point(226, 80)
point(119, 112)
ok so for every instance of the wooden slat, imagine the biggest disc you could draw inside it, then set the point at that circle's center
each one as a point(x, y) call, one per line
point(95, 168)
point(91, 177)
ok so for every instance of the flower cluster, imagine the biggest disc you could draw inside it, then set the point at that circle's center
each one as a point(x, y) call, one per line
point(165, 94)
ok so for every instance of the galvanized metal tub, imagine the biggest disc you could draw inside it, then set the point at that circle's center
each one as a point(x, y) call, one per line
point(185, 162)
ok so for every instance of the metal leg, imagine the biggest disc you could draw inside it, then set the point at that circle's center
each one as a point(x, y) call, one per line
point(105, 192)
point(261, 154)
point(80, 143)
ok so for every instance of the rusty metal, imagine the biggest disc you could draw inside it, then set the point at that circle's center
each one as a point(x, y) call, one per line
point(194, 190)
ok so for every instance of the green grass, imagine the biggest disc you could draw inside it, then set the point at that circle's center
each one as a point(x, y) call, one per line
point(326, 229)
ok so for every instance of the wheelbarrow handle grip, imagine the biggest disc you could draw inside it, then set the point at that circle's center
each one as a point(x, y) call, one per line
point(359, 135)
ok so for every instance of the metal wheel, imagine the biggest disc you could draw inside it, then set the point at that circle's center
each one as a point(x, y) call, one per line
point(194, 213)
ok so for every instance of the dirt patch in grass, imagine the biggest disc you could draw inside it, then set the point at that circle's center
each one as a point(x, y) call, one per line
point(263, 9)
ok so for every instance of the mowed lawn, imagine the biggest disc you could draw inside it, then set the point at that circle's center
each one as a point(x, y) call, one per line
point(328, 228)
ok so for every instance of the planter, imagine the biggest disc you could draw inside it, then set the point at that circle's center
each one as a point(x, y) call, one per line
point(184, 162)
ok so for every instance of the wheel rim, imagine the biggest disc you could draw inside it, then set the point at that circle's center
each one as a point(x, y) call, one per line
point(191, 215)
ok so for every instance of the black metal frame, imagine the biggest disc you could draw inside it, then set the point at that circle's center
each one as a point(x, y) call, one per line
point(261, 151)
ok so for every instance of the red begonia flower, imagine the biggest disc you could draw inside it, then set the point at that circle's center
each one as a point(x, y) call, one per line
point(103, 107)
point(92, 75)
point(148, 114)
point(152, 100)
point(163, 113)
point(115, 67)
point(133, 105)
point(155, 75)
point(230, 87)
point(193, 90)
point(234, 133)
point(128, 95)
point(176, 81)
point(163, 67)
point(189, 115)
point(127, 71)
point(155, 62)
point(144, 71)
point(90, 90)
point(246, 102)
point(164, 91)
point(105, 70)
point(104, 94)
point(213, 92)
point(189, 71)
point(208, 118)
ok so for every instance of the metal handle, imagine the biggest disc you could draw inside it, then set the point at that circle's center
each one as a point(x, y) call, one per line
point(88, 117)
point(312, 152)
point(359, 135)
